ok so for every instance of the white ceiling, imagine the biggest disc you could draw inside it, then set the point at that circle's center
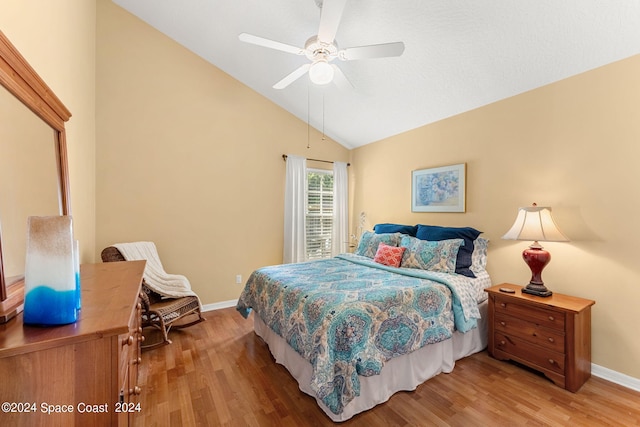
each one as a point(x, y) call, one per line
point(459, 54)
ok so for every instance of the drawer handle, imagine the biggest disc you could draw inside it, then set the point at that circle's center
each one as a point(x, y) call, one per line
point(551, 361)
point(136, 390)
point(136, 361)
point(551, 318)
point(502, 343)
point(551, 340)
point(503, 305)
point(128, 341)
point(503, 324)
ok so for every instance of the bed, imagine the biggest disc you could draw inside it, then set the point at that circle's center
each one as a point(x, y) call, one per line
point(357, 328)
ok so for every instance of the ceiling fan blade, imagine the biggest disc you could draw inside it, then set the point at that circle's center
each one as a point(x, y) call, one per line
point(373, 51)
point(330, 15)
point(340, 79)
point(295, 75)
point(261, 41)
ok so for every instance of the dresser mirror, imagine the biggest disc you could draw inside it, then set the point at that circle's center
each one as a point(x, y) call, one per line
point(34, 177)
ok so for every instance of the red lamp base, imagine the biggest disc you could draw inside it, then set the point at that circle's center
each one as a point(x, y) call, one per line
point(539, 290)
point(536, 258)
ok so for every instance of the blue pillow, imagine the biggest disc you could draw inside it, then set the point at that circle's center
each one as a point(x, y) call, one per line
point(468, 234)
point(430, 255)
point(369, 242)
point(396, 228)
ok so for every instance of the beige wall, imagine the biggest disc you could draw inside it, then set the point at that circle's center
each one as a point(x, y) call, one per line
point(58, 40)
point(190, 158)
point(574, 146)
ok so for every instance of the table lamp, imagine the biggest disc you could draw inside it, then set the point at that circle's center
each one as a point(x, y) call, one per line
point(535, 223)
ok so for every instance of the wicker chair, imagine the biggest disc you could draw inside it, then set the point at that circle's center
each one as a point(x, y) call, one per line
point(158, 312)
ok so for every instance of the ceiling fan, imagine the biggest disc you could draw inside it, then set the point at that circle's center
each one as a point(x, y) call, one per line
point(322, 48)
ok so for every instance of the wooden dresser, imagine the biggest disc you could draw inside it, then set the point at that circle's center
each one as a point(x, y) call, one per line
point(549, 334)
point(79, 374)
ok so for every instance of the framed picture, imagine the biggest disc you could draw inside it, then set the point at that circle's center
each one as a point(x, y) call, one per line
point(438, 189)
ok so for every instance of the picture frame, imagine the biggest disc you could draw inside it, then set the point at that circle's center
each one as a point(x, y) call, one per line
point(440, 189)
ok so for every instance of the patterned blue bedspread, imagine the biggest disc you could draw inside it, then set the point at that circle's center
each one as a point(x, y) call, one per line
point(348, 315)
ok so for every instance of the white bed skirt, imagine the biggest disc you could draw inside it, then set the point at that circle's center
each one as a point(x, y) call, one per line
point(405, 372)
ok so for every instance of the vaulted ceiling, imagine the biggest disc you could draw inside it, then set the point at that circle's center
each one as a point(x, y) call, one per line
point(459, 54)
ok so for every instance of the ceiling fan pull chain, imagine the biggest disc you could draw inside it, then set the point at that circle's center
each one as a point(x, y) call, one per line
point(308, 125)
point(323, 138)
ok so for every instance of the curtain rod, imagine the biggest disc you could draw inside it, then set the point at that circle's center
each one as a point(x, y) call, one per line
point(284, 157)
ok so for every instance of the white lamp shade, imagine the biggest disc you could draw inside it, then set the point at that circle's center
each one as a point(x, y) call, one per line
point(321, 72)
point(535, 223)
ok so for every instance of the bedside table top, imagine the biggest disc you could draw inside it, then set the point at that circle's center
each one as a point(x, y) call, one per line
point(559, 301)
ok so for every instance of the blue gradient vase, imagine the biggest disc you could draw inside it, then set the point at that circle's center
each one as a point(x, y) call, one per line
point(76, 269)
point(51, 294)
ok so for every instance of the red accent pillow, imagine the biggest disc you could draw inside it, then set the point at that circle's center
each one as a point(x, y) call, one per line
point(389, 255)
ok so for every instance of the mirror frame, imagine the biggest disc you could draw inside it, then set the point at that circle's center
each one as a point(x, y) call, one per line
point(21, 80)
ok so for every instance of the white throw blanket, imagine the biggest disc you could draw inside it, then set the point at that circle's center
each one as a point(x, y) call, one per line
point(167, 285)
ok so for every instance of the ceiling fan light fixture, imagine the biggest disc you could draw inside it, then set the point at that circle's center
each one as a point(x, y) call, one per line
point(322, 48)
point(321, 72)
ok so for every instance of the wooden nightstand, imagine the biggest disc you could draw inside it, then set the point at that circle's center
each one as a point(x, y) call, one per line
point(551, 335)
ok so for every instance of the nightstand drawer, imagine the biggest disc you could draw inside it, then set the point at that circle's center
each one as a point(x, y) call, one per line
point(542, 316)
point(531, 332)
point(519, 348)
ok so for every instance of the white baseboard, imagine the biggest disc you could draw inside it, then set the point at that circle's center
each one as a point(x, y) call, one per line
point(596, 370)
point(615, 377)
point(220, 305)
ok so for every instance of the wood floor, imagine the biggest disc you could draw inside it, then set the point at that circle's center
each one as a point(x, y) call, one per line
point(219, 373)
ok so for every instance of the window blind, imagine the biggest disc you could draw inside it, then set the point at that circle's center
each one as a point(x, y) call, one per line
point(319, 214)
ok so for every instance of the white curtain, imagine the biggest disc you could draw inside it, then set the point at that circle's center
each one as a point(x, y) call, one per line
point(340, 235)
point(294, 210)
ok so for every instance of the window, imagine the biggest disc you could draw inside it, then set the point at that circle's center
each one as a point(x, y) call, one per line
point(319, 213)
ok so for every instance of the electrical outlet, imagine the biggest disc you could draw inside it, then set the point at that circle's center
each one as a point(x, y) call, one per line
point(239, 279)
